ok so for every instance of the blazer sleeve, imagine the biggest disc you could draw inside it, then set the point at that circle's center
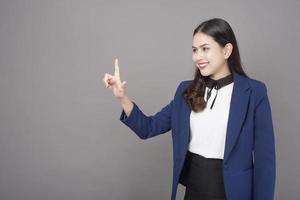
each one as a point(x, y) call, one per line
point(149, 126)
point(264, 149)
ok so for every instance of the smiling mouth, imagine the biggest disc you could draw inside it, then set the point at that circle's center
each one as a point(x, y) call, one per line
point(202, 65)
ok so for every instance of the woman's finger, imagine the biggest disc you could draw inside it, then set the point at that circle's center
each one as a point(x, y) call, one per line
point(112, 80)
point(106, 78)
point(117, 69)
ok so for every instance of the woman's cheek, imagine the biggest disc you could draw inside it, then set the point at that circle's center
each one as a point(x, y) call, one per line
point(193, 57)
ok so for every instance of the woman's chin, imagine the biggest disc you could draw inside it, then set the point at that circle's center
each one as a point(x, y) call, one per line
point(204, 72)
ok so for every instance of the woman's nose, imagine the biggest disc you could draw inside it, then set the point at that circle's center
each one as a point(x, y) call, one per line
point(199, 55)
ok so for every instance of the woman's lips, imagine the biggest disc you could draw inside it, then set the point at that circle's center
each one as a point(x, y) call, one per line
point(202, 65)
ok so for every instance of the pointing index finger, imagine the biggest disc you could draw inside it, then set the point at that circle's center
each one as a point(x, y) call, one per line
point(117, 70)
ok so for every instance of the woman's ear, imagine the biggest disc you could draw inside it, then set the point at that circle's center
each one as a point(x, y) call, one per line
point(227, 50)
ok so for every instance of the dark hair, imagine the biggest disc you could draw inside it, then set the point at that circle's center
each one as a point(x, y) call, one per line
point(222, 33)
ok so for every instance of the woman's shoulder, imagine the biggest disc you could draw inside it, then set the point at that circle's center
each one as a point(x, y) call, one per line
point(258, 86)
point(184, 84)
point(259, 89)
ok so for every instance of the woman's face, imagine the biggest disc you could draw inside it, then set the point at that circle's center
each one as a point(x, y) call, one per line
point(209, 57)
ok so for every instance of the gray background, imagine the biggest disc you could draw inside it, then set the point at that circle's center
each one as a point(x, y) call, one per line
point(61, 138)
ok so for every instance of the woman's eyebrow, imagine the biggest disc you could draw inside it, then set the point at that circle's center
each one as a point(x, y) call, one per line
point(201, 45)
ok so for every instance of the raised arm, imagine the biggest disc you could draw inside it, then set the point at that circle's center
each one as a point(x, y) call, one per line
point(148, 126)
point(144, 126)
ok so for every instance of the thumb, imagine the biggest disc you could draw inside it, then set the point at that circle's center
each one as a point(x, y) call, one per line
point(124, 83)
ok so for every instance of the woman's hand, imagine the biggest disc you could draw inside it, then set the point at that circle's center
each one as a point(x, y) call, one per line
point(114, 82)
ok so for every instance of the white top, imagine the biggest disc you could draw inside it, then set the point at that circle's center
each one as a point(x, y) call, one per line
point(208, 127)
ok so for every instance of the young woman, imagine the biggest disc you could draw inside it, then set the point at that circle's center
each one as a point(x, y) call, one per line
point(221, 122)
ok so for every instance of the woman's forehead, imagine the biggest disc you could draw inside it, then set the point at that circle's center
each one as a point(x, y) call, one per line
point(201, 39)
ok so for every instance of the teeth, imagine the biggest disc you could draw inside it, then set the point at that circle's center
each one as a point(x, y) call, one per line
point(202, 65)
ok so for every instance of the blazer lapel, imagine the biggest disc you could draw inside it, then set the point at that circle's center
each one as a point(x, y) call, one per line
point(237, 112)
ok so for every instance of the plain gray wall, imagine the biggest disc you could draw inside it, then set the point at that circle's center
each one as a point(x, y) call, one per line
point(61, 138)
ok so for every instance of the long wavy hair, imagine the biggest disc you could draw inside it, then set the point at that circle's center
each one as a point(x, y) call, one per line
point(222, 33)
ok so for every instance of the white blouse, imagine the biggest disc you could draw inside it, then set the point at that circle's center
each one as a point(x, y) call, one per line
point(208, 127)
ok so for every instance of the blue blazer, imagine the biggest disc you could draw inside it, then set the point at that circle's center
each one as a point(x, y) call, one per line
point(249, 159)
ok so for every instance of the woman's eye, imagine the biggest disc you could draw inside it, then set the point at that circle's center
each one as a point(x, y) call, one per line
point(204, 49)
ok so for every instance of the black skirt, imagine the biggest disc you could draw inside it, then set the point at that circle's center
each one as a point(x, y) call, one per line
point(203, 178)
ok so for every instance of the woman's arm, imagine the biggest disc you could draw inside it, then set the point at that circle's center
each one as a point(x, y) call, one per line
point(127, 105)
point(264, 149)
point(148, 126)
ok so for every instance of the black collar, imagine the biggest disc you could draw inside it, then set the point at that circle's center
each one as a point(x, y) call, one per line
point(217, 84)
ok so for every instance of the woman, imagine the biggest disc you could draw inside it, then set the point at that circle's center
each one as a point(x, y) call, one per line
point(221, 122)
